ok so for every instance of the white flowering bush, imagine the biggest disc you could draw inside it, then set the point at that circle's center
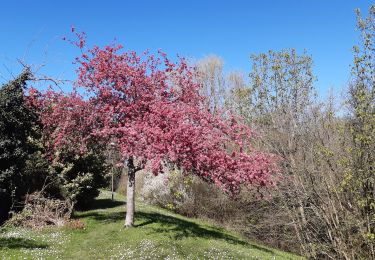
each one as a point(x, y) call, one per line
point(154, 189)
point(192, 197)
point(173, 190)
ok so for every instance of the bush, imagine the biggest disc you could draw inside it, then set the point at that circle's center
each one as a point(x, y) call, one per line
point(254, 217)
point(190, 196)
point(81, 177)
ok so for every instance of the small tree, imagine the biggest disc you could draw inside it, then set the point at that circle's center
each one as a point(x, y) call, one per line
point(154, 111)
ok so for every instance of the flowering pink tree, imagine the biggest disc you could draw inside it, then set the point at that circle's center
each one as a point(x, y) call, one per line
point(151, 108)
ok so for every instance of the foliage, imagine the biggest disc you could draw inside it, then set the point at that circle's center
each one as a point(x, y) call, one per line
point(281, 81)
point(309, 203)
point(16, 126)
point(360, 174)
point(325, 200)
point(38, 174)
point(25, 167)
point(153, 109)
point(81, 177)
point(278, 103)
point(195, 125)
point(78, 173)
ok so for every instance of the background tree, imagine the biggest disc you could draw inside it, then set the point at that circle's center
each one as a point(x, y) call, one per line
point(309, 204)
point(360, 174)
point(16, 126)
point(238, 98)
point(211, 77)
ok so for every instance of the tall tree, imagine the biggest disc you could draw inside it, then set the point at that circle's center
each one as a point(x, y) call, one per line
point(16, 125)
point(360, 177)
point(279, 99)
point(154, 111)
point(211, 77)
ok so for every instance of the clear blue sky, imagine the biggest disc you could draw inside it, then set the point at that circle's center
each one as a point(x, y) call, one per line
point(32, 31)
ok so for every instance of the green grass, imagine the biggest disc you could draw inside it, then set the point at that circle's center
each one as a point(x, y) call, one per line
point(158, 234)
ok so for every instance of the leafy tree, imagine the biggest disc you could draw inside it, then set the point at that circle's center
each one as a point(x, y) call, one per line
point(281, 82)
point(153, 110)
point(16, 126)
point(360, 177)
point(279, 98)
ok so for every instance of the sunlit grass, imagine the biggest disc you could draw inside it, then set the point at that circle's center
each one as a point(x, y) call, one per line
point(158, 234)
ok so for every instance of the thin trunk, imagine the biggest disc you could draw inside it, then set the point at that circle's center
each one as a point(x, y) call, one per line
point(130, 192)
point(112, 184)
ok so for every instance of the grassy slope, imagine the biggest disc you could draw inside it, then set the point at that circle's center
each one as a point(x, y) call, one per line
point(159, 234)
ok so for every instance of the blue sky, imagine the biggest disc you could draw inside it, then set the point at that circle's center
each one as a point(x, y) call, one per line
point(32, 31)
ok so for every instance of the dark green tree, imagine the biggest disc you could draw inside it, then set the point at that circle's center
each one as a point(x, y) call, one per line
point(16, 126)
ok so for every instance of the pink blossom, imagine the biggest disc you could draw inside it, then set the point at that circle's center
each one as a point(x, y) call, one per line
point(154, 110)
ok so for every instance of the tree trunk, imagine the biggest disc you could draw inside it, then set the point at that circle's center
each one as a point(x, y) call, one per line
point(130, 192)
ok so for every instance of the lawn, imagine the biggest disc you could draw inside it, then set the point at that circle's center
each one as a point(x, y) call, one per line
point(158, 234)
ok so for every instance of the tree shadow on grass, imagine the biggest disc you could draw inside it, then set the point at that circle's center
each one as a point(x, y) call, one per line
point(178, 228)
point(14, 243)
point(103, 216)
point(174, 227)
point(105, 204)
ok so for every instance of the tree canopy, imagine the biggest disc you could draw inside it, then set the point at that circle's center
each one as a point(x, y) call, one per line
point(153, 110)
point(16, 125)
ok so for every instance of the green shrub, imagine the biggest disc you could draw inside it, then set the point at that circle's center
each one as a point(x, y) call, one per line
point(81, 177)
point(16, 125)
